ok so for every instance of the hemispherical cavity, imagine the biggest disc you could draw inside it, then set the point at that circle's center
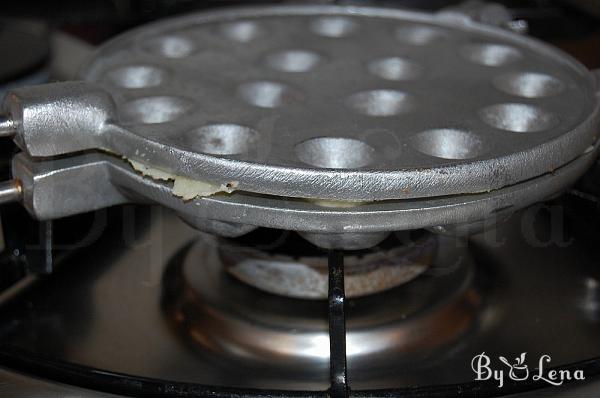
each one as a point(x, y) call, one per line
point(381, 102)
point(159, 109)
point(528, 84)
point(335, 153)
point(135, 76)
point(241, 31)
point(293, 60)
point(418, 35)
point(448, 143)
point(491, 54)
point(519, 118)
point(333, 26)
point(170, 46)
point(395, 68)
point(222, 139)
point(266, 94)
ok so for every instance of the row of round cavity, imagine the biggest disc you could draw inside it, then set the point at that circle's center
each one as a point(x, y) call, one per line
point(514, 117)
point(180, 45)
point(346, 152)
point(523, 84)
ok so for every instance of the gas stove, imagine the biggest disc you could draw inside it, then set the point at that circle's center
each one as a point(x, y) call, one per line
point(308, 200)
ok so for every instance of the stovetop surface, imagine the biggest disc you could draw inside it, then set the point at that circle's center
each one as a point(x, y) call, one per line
point(104, 307)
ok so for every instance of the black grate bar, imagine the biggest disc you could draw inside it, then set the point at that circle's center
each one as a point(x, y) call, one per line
point(337, 326)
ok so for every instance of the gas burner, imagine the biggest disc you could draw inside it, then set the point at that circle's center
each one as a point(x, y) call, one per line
point(140, 334)
point(281, 262)
point(239, 325)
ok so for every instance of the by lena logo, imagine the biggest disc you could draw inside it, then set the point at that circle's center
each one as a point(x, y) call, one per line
point(519, 371)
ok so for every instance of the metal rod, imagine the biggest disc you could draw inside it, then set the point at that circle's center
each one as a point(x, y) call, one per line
point(7, 126)
point(337, 326)
point(10, 191)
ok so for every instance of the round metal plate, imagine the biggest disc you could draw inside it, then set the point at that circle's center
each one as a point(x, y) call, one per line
point(345, 103)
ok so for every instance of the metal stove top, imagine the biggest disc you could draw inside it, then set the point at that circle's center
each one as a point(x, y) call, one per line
point(150, 300)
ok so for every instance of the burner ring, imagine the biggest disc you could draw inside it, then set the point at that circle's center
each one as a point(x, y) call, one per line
point(306, 276)
point(234, 323)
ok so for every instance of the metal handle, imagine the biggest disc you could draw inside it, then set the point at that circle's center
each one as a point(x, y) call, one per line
point(57, 118)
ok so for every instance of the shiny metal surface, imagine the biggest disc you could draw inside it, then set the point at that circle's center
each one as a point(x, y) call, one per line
point(10, 191)
point(347, 107)
point(110, 315)
point(70, 185)
point(7, 128)
point(345, 103)
point(224, 318)
point(342, 103)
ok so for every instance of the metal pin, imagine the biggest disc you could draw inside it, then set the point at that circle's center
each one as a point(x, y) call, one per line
point(7, 126)
point(10, 191)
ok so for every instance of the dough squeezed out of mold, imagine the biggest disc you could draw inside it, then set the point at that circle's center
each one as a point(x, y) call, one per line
point(183, 187)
